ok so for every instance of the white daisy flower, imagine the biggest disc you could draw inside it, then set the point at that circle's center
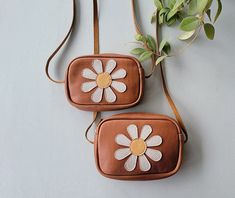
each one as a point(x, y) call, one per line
point(103, 81)
point(138, 148)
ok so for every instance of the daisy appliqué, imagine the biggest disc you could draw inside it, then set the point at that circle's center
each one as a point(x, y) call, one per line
point(138, 148)
point(103, 81)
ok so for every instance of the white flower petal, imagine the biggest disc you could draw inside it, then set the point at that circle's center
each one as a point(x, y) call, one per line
point(97, 65)
point(144, 163)
point(153, 154)
point(122, 140)
point(111, 64)
point(109, 95)
point(146, 131)
point(122, 153)
point(130, 163)
point(133, 131)
point(121, 73)
point(88, 86)
point(87, 73)
point(119, 86)
point(97, 95)
point(156, 140)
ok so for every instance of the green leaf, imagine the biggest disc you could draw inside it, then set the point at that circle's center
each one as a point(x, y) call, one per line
point(140, 37)
point(161, 19)
point(218, 10)
point(201, 5)
point(167, 48)
point(190, 23)
point(209, 30)
point(192, 7)
point(197, 6)
point(146, 55)
point(163, 11)
point(180, 16)
point(162, 44)
point(186, 35)
point(160, 59)
point(158, 4)
point(171, 3)
point(137, 51)
point(171, 14)
point(208, 12)
point(171, 21)
point(153, 18)
point(209, 4)
point(162, 14)
point(151, 43)
point(178, 4)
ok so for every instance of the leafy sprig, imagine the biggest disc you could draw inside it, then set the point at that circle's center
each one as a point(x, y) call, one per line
point(191, 16)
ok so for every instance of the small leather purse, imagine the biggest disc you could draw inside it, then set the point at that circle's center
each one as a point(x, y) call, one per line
point(104, 82)
point(101, 82)
point(138, 146)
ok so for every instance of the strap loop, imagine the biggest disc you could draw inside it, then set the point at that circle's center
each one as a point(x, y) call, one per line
point(60, 46)
point(95, 116)
point(96, 37)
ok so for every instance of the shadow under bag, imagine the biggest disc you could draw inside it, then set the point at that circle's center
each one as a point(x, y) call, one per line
point(129, 146)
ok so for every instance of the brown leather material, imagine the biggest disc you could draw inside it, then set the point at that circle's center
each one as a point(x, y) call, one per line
point(95, 116)
point(164, 126)
point(96, 27)
point(134, 81)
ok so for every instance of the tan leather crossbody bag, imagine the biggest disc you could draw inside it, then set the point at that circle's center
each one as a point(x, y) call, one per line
point(101, 82)
point(130, 146)
point(138, 146)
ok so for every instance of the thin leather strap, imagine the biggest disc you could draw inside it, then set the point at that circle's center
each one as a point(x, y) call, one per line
point(137, 27)
point(95, 116)
point(172, 105)
point(169, 99)
point(96, 51)
point(96, 27)
point(96, 37)
point(60, 46)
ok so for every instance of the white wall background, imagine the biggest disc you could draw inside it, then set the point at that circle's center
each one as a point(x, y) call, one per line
point(43, 153)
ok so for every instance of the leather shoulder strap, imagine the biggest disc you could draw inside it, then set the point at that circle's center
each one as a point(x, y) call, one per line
point(96, 51)
point(165, 89)
point(96, 27)
point(60, 46)
point(96, 38)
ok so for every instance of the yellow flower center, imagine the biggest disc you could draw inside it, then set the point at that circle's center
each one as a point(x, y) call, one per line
point(104, 80)
point(138, 147)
